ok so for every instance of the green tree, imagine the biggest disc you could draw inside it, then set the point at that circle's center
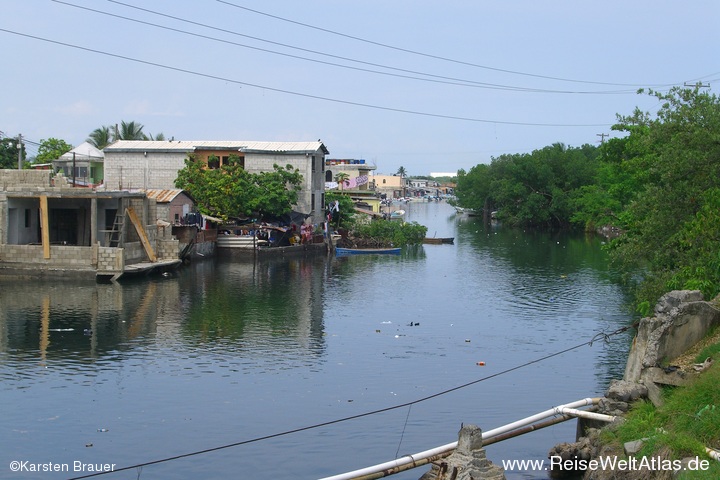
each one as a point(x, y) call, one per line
point(129, 131)
point(103, 136)
point(51, 149)
point(530, 190)
point(9, 153)
point(345, 216)
point(678, 172)
point(230, 191)
point(403, 173)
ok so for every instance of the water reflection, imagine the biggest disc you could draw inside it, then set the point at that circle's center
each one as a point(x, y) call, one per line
point(231, 349)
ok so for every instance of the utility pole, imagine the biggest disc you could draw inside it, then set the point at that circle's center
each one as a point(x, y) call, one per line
point(602, 136)
point(19, 151)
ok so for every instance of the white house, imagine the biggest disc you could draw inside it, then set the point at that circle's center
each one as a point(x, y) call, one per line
point(131, 164)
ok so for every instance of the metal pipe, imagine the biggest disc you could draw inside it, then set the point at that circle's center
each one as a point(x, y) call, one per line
point(443, 449)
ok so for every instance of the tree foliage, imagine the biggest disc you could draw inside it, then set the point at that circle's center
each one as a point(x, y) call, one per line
point(530, 190)
point(670, 220)
point(344, 217)
point(103, 136)
point(51, 149)
point(658, 183)
point(9, 153)
point(231, 191)
point(390, 233)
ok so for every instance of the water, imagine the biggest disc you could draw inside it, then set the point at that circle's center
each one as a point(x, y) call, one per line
point(229, 352)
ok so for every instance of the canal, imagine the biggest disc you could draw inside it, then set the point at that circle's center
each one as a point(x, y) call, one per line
point(234, 353)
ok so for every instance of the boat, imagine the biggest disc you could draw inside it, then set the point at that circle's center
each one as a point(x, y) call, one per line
point(397, 214)
point(239, 241)
point(468, 211)
point(438, 240)
point(366, 251)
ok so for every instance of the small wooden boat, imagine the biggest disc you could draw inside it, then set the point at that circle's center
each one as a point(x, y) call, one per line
point(366, 251)
point(438, 240)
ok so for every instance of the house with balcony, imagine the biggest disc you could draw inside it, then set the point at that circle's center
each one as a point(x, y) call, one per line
point(131, 164)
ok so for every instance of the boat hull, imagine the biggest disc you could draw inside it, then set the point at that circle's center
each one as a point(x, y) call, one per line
point(438, 240)
point(367, 251)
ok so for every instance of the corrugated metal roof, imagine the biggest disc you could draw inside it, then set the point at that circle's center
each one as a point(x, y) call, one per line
point(163, 196)
point(189, 146)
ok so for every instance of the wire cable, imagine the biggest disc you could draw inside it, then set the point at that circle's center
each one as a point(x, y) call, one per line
point(436, 57)
point(599, 336)
point(299, 94)
point(433, 77)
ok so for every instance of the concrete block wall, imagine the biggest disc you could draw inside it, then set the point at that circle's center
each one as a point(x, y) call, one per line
point(61, 256)
point(110, 260)
point(168, 249)
point(29, 178)
point(125, 170)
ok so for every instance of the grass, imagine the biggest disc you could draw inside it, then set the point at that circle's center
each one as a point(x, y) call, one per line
point(688, 421)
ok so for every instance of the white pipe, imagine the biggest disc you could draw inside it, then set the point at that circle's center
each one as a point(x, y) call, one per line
point(714, 454)
point(583, 414)
point(407, 459)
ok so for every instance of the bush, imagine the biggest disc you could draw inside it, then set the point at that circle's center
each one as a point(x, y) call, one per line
point(390, 233)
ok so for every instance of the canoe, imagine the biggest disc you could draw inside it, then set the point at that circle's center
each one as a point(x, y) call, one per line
point(366, 251)
point(438, 240)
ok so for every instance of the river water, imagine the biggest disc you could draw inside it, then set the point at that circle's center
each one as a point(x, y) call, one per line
point(234, 352)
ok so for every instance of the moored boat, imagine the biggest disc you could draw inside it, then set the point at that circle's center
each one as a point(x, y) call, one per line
point(366, 251)
point(438, 240)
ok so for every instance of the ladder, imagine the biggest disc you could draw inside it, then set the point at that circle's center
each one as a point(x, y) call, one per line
point(115, 236)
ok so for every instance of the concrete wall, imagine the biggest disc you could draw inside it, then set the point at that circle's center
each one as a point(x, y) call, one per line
point(681, 320)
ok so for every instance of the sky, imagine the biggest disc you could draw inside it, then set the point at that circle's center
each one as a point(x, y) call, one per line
point(430, 86)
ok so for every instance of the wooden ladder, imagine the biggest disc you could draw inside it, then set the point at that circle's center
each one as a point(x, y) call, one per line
point(116, 237)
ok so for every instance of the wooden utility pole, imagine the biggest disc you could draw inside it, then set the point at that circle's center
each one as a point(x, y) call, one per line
point(602, 136)
point(19, 151)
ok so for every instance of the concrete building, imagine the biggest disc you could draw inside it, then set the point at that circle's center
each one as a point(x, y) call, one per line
point(391, 185)
point(48, 228)
point(358, 173)
point(146, 165)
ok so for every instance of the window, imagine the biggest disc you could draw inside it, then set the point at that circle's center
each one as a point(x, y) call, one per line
point(213, 162)
point(312, 202)
point(27, 218)
point(312, 161)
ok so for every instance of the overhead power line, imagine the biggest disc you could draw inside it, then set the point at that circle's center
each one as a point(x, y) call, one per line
point(299, 94)
point(431, 77)
point(428, 55)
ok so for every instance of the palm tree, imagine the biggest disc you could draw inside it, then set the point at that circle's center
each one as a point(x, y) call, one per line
point(159, 137)
point(341, 178)
point(129, 131)
point(100, 137)
point(403, 173)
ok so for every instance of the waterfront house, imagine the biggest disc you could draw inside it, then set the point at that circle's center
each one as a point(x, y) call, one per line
point(131, 164)
point(48, 227)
